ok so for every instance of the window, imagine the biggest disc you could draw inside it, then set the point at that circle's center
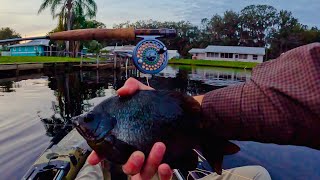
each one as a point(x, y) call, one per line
point(243, 56)
point(227, 55)
point(19, 48)
point(255, 57)
point(14, 49)
point(36, 48)
point(210, 54)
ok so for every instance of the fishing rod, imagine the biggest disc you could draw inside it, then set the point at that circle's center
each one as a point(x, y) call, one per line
point(100, 34)
point(150, 55)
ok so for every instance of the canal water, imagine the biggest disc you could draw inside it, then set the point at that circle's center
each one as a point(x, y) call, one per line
point(33, 108)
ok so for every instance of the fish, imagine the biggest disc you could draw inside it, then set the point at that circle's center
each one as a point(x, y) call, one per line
point(118, 126)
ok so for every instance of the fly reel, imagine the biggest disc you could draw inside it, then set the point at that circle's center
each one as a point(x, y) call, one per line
point(150, 55)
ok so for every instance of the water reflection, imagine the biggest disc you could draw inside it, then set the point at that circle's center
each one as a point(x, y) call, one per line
point(74, 89)
point(6, 86)
point(209, 75)
point(65, 93)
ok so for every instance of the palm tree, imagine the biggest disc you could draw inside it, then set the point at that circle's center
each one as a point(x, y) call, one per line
point(68, 10)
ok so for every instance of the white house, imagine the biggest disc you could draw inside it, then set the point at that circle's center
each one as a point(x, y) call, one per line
point(229, 53)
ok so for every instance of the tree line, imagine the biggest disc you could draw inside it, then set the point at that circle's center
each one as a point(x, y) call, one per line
point(254, 26)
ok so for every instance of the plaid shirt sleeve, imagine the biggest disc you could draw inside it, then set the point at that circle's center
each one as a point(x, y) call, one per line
point(279, 104)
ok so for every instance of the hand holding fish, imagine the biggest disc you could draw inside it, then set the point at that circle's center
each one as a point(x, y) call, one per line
point(124, 129)
point(135, 165)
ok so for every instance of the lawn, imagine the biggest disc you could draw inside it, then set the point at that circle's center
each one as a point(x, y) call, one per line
point(216, 63)
point(43, 59)
point(36, 59)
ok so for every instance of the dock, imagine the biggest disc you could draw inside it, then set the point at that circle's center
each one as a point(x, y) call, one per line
point(88, 62)
point(21, 66)
point(17, 67)
point(106, 61)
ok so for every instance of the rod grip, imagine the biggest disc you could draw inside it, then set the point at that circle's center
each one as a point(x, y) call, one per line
point(95, 34)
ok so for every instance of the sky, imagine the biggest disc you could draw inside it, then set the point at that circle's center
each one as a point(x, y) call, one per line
point(22, 16)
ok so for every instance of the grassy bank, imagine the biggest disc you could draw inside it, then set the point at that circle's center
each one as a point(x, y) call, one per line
point(37, 59)
point(216, 63)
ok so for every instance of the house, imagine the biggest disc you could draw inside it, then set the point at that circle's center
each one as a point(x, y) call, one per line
point(229, 53)
point(33, 48)
point(173, 54)
point(128, 49)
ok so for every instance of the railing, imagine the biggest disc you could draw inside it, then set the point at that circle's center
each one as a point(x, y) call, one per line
point(43, 53)
point(97, 58)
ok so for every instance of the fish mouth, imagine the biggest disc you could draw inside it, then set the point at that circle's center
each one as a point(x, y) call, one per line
point(91, 137)
point(87, 133)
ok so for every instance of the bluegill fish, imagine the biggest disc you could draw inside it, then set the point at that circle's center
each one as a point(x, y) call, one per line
point(118, 126)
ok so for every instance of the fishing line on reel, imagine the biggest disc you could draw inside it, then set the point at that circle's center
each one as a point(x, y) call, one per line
point(150, 56)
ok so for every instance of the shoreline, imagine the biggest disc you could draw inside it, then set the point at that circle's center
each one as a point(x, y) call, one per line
point(14, 60)
point(35, 59)
point(214, 63)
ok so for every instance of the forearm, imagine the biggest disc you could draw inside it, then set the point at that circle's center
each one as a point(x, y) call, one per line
point(246, 112)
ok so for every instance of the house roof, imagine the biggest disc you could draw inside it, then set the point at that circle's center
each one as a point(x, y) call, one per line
point(236, 49)
point(38, 42)
point(230, 49)
point(196, 50)
point(112, 48)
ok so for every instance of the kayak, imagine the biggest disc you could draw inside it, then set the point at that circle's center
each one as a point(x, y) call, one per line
point(65, 159)
point(61, 161)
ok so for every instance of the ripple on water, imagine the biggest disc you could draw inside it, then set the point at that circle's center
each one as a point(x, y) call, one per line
point(22, 135)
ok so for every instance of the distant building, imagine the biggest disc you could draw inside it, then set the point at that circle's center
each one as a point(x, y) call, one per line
point(32, 48)
point(173, 54)
point(229, 53)
point(128, 49)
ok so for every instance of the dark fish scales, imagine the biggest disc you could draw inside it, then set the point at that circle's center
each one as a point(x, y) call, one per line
point(118, 126)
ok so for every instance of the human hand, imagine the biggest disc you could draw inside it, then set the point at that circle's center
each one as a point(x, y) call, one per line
point(136, 166)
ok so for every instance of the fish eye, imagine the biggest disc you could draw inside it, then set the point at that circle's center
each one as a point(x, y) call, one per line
point(88, 118)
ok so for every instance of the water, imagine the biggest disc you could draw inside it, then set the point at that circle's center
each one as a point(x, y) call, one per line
point(34, 107)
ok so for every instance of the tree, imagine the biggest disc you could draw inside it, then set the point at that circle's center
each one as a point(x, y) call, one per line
point(256, 22)
point(231, 30)
point(68, 10)
point(286, 34)
point(188, 34)
point(255, 25)
point(8, 33)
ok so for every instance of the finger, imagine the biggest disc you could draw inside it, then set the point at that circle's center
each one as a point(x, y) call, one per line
point(131, 86)
point(153, 161)
point(165, 172)
point(134, 163)
point(93, 158)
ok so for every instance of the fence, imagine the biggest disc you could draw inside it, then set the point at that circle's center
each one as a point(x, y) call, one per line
point(5, 53)
point(42, 53)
